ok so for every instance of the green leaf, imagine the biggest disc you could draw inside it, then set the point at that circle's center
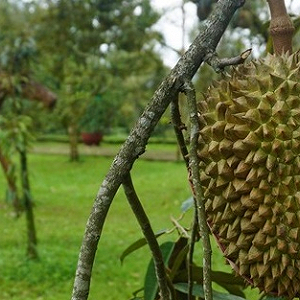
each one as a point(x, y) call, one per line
point(150, 284)
point(217, 276)
point(139, 244)
point(178, 261)
point(231, 283)
point(178, 257)
point(199, 292)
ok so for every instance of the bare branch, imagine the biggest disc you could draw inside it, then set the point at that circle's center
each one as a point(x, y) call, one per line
point(190, 93)
point(218, 64)
point(178, 128)
point(145, 225)
point(164, 44)
point(136, 142)
point(181, 230)
point(194, 235)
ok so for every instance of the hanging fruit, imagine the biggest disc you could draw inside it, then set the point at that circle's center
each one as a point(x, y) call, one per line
point(250, 164)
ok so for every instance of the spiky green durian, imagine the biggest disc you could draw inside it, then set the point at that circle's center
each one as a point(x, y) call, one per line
point(249, 148)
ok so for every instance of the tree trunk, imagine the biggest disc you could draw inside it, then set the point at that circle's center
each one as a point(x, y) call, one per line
point(73, 138)
point(11, 179)
point(206, 42)
point(31, 232)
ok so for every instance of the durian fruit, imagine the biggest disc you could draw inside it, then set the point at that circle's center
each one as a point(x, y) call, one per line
point(249, 148)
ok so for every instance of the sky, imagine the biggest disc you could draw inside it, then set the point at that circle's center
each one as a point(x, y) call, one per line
point(170, 24)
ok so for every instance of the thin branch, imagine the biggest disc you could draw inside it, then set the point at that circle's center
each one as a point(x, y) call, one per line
point(218, 64)
point(180, 229)
point(145, 225)
point(178, 128)
point(194, 235)
point(136, 142)
point(164, 44)
point(190, 93)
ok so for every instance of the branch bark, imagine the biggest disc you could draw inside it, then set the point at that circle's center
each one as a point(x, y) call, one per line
point(31, 231)
point(194, 171)
point(136, 142)
point(145, 225)
point(178, 128)
point(218, 64)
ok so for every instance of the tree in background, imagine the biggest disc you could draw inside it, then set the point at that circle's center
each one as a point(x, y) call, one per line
point(17, 58)
point(110, 41)
point(16, 132)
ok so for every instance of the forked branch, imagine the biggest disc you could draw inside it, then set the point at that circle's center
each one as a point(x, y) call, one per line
point(136, 142)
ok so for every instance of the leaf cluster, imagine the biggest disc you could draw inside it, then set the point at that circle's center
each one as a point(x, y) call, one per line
point(175, 256)
point(176, 259)
point(16, 132)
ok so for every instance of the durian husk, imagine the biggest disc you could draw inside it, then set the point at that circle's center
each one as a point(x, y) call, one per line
point(249, 148)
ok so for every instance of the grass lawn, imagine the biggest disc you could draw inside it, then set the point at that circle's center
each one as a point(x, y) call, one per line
point(63, 194)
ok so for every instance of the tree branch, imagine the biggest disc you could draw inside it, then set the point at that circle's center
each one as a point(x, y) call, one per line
point(194, 170)
point(194, 235)
point(178, 128)
point(136, 142)
point(218, 64)
point(145, 225)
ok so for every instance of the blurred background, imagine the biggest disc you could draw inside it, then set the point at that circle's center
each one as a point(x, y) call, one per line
point(74, 77)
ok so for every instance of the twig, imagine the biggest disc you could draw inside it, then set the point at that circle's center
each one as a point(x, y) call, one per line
point(195, 229)
point(145, 225)
point(178, 128)
point(218, 64)
point(181, 230)
point(164, 44)
point(190, 93)
point(136, 142)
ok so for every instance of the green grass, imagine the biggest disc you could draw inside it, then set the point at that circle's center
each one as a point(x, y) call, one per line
point(63, 194)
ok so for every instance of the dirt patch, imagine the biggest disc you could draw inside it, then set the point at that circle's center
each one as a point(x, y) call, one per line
point(102, 150)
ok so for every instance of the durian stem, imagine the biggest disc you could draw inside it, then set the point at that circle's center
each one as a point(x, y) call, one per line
point(281, 27)
point(194, 170)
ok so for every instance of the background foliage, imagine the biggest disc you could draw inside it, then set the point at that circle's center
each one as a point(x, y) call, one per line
point(86, 50)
